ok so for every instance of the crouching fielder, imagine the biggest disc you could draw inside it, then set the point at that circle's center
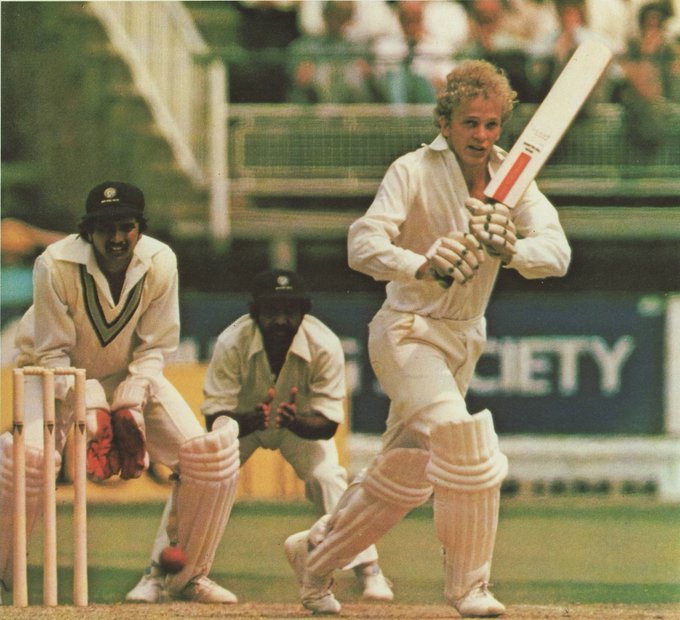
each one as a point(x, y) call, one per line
point(439, 246)
point(106, 300)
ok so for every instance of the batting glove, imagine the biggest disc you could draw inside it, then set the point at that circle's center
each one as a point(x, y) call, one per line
point(493, 227)
point(453, 258)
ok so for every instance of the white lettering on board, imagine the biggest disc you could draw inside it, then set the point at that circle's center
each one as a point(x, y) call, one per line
point(540, 366)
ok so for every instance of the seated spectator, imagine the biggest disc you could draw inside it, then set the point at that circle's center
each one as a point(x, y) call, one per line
point(651, 67)
point(262, 28)
point(371, 19)
point(329, 68)
point(610, 19)
point(502, 32)
point(412, 64)
point(552, 54)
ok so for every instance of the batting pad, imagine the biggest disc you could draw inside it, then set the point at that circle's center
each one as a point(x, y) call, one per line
point(394, 484)
point(466, 470)
point(34, 496)
point(205, 493)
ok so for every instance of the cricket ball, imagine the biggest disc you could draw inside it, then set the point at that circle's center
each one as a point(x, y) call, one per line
point(172, 560)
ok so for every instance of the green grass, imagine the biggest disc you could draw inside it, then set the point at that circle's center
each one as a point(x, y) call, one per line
point(548, 552)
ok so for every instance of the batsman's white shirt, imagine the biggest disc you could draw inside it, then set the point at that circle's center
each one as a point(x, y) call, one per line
point(425, 341)
point(421, 198)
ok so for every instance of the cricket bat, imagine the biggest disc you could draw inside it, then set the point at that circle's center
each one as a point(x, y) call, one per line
point(549, 123)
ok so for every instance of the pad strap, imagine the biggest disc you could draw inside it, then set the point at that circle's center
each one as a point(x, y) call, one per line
point(398, 477)
point(466, 456)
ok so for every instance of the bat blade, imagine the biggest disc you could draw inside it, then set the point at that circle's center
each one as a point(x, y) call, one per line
point(549, 123)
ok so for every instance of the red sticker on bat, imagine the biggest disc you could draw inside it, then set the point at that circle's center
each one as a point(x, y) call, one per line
point(511, 177)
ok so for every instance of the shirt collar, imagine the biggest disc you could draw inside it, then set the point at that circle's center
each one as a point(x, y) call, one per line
point(440, 144)
point(75, 249)
point(299, 346)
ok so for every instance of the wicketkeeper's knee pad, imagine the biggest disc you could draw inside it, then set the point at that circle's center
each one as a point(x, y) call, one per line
point(208, 475)
point(34, 495)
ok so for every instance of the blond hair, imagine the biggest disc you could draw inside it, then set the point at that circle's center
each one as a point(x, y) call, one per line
point(471, 79)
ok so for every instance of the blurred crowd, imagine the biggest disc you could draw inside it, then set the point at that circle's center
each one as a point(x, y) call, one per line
point(367, 51)
point(399, 52)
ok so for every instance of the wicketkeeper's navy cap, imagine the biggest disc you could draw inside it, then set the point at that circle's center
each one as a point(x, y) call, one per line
point(279, 284)
point(114, 199)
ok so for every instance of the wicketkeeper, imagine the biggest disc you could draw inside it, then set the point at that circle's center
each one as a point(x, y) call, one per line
point(106, 300)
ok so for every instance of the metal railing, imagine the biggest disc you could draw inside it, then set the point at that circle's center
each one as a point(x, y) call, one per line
point(344, 150)
point(183, 86)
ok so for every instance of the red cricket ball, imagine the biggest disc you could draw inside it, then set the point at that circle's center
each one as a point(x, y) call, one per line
point(172, 560)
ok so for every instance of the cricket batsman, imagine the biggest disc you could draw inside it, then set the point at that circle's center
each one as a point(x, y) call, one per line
point(431, 235)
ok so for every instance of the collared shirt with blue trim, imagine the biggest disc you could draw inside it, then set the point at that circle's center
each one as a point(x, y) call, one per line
point(74, 320)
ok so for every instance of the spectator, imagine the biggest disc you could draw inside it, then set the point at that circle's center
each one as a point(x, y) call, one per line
point(264, 29)
point(502, 32)
point(412, 64)
point(371, 19)
point(651, 67)
point(552, 54)
point(329, 68)
point(609, 19)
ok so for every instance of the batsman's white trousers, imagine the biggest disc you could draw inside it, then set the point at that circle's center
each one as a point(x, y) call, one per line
point(425, 367)
point(316, 463)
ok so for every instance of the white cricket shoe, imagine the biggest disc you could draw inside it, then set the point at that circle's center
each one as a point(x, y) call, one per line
point(148, 590)
point(315, 592)
point(375, 585)
point(204, 590)
point(479, 603)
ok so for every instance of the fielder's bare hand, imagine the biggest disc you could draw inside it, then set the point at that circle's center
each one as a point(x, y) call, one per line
point(309, 425)
point(286, 413)
point(493, 227)
point(260, 420)
point(453, 258)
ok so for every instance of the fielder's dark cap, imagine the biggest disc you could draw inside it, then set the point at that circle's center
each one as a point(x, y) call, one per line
point(279, 284)
point(113, 199)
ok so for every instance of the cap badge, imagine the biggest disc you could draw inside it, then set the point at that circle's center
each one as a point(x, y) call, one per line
point(110, 192)
point(283, 281)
